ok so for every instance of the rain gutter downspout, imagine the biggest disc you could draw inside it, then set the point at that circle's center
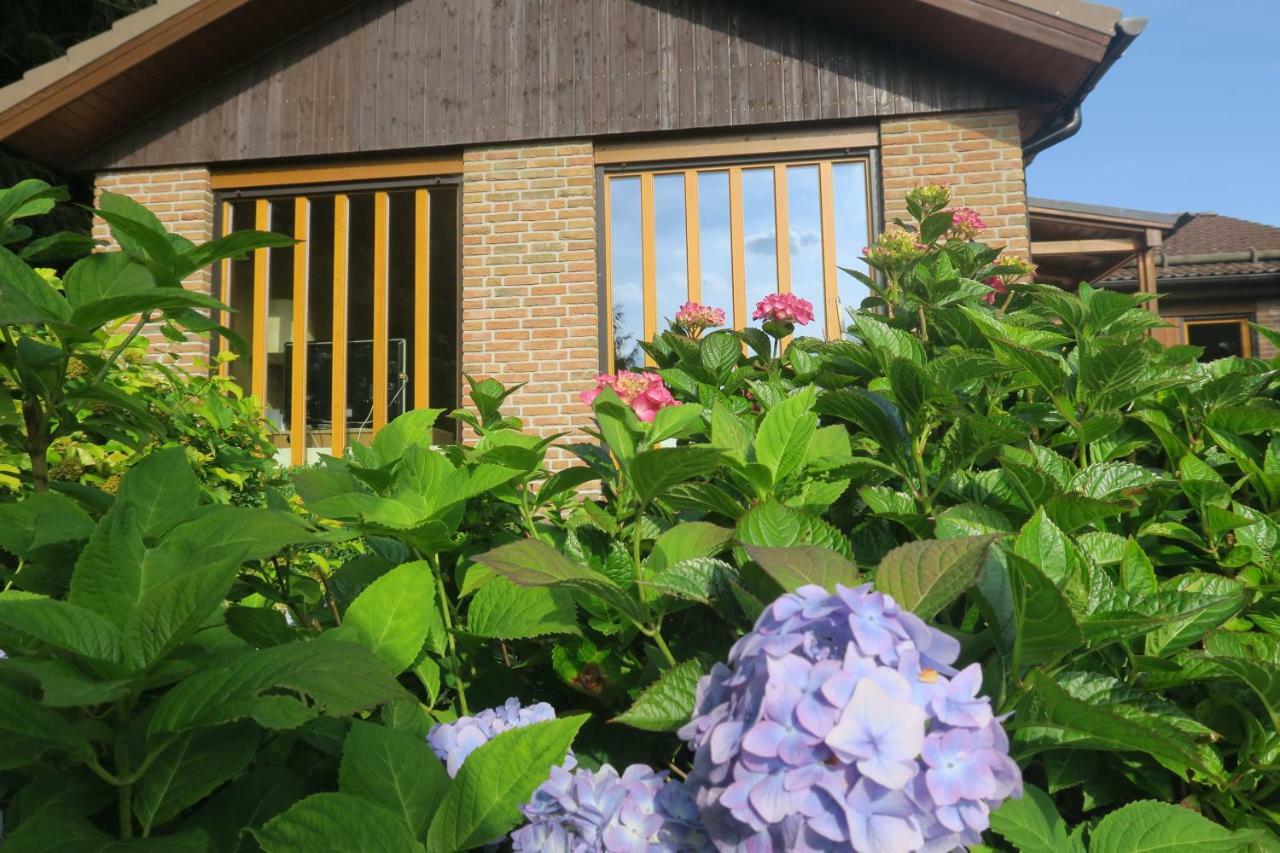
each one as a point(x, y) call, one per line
point(1069, 113)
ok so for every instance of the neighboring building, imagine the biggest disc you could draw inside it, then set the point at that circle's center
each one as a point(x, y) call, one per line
point(1214, 275)
point(520, 189)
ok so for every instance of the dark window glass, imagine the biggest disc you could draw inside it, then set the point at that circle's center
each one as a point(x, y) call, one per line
point(1220, 339)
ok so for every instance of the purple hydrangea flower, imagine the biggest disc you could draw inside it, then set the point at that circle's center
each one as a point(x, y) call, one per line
point(453, 742)
point(641, 811)
point(841, 723)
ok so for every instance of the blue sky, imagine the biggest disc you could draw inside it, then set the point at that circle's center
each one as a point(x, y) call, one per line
point(1188, 119)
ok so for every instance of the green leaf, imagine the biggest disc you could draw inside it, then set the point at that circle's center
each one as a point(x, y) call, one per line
point(671, 421)
point(190, 769)
point(160, 491)
point(534, 563)
point(413, 428)
point(1045, 546)
point(104, 275)
point(728, 432)
point(776, 525)
point(25, 297)
point(61, 624)
point(395, 614)
point(926, 576)
point(1137, 575)
point(719, 352)
point(795, 567)
point(396, 770)
point(1186, 631)
point(260, 627)
point(502, 610)
point(339, 678)
point(28, 730)
point(1045, 624)
point(254, 799)
point(695, 579)
point(785, 433)
point(40, 521)
point(872, 413)
point(653, 472)
point(1148, 826)
point(685, 542)
point(667, 704)
point(336, 823)
point(1032, 823)
point(484, 801)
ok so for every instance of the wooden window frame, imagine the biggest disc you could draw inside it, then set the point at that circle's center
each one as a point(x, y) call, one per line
point(302, 193)
point(1241, 320)
point(613, 164)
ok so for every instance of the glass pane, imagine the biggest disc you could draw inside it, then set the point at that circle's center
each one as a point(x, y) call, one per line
point(360, 321)
point(852, 233)
point(279, 317)
point(1220, 340)
point(625, 272)
point(759, 234)
point(241, 299)
point(319, 374)
point(401, 326)
point(715, 252)
point(443, 357)
point(672, 248)
point(804, 219)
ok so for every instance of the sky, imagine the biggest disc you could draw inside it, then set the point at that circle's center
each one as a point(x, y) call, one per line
point(1187, 120)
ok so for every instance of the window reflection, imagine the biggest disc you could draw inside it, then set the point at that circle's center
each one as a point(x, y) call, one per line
point(759, 231)
point(852, 233)
point(805, 239)
point(625, 271)
point(714, 241)
point(672, 254)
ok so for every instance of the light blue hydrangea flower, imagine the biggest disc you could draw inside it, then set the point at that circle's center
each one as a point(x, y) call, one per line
point(640, 811)
point(453, 742)
point(841, 723)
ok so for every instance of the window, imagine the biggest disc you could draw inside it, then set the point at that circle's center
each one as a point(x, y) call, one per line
point(1221, 337)
point(357, 322)
point(727, 236)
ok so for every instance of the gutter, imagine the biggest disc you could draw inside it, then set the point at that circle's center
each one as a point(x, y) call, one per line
point(1065, 121)
point(1245, 256)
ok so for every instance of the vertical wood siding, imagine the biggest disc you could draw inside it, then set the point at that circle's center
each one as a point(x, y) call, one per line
point(390, 75)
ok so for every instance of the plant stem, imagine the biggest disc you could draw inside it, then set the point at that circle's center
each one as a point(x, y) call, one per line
point(924, 326)
point(656, 635)
point(123, 769)
point(121, 347)
point(448, 634)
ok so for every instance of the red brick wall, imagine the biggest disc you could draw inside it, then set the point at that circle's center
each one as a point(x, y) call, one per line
point(182, 199)
point(979, 155)
point(529, 290)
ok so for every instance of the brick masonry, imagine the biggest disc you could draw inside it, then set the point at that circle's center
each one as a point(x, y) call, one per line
point(979, 155)
point(530, 308)
point(182, 199)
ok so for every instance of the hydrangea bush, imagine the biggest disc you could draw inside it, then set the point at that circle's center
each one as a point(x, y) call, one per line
point(453, 742)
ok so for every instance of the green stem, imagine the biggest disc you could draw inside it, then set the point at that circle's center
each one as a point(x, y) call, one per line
point(459, 684)
point(123, 768)
point(655, 634)
point(121, 347)
point(636, 537)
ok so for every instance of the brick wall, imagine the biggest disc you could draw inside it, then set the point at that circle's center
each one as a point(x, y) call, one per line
point(182, 199)
point(979, 155)
point(529, 290)
point(1267, 314)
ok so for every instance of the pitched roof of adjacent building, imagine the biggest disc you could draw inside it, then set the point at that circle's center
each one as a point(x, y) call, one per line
point(1054, 49)
point(1209, 246)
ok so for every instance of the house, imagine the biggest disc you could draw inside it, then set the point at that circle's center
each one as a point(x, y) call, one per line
point(1214, 275)
point(520, 189)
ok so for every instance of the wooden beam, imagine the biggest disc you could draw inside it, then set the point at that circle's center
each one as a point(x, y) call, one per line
point(298, 377)
point(782, 227)
point(737, 249)
point(421, 299)
point(319, 173)
point(224, 288)
point(737, 145)
point(648, 258)
point(607, 308)
point(381, 284)
point(692, 237)
point(258, 346)
point(830, 283)
point(1084, 247)
point(338, 387)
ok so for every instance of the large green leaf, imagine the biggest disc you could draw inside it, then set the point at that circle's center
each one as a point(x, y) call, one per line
point(188, 770)
point(686, 541)
point(104, 275)
point(412, 428)
point(39, 521)
point(502, 610)
point(28, 730)
point(926, 576)
point(1228, 595)
point(396, 770)
point(667, 704)
point(531, 562)
point(1045, 624)
point(336, 823)
point(339, 678)
point(160, 491)
point(395, 614)
point(653, 472)
point(1045, 546)
point(254, 799)
point(785, 433)
point(870, 412)
point(1031, 823)
point(776, 525)
point(61, 624)
point(798, 566)
point(1148, 826)
point(25, 297)
point(484, 801)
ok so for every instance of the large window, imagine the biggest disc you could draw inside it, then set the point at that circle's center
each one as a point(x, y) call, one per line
point(1221, 337)
point(355, 324)
point(727, 236)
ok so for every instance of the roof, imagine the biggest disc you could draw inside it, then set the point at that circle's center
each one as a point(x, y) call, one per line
point(1209, 245)
point(1102, 213)
point(150, 59)
point(1073, 242)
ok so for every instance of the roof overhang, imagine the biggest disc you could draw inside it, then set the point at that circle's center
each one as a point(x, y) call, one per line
point(1072, 242)
point(146, 61)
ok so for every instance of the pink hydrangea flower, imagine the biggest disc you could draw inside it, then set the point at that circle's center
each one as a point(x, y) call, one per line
point(645, 392)
point(894, 247)
point(693, 318)
point(997, 285)
point(784, 308)
point(966, 223)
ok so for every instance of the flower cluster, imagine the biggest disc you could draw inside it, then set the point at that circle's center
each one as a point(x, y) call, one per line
point(645, 393)
point(966, 224)
point(1019, 269)
point(692, 318)
point(894, 247)
point(930, 198)
point(841, 723)
point(588, 811)
point(785, 308)
point(453, 742)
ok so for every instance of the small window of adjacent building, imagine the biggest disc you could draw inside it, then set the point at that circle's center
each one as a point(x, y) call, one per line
point(1221, 337)
point(727, 236)
point(356, 323)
